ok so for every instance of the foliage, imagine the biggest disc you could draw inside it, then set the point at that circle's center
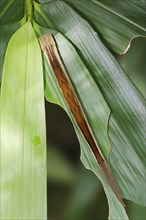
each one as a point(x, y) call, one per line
point(113, 107)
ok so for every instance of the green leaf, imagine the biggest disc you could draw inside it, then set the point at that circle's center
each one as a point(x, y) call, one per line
point(133, 62)
point(107, 83)
point(23, 141)
point(126, 127)
point(118, 22)
point(11, 11)
point(53, 94)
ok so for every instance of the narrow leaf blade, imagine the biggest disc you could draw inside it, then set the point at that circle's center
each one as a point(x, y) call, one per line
point(23, 141)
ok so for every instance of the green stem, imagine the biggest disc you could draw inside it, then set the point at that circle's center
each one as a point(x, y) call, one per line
point(29, 10)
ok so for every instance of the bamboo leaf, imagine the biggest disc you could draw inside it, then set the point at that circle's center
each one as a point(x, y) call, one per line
point(118, 22)
point(112, 92)
point(23, 152)
point(53, 94)
point(126, 125)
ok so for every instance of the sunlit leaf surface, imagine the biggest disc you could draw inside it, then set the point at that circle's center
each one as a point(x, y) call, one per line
point(22, 152)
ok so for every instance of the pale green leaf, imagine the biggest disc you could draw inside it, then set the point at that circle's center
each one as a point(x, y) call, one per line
point(23, 141)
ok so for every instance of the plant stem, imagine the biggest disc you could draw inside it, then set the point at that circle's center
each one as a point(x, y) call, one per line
point(29, 10)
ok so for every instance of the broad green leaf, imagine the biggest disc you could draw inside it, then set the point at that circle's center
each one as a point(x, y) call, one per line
point(53, 93)
point(11, 11)
point(126, 127)
point(118, 22)
point(22, 140)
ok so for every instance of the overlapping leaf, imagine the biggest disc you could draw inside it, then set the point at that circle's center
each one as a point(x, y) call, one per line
point(101, 87)
point(53, 93)
point(125, 102)
point(117, 21)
